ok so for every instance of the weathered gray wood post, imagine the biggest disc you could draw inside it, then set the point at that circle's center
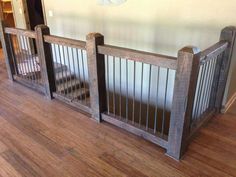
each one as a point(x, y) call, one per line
point(96, 69)
point(184, 91)
point(227, 34)
point(6, 46)
point(46, 60)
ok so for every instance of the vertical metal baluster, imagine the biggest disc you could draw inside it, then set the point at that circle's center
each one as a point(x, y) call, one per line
point(134, 78)
point(127, 109)
point(114, 85)
point(202, 90)
point(55, 60)
point(108, 88)
point(157, 90)
point(71, 91)
point(83, 69)
point(66, 73)
point(32, 65)
point(22, 58)
point(37, 68)
point(27, 60)
point(141, 97)
point(208, 94)
point(148, 101)
point(79, 74)
point(75, 79)
point(206, 86)
point(31, 60)
point(199, 93)
point(164, 108)
point(18, 56)
point(214, 63)
point(12, 52)
point(211, 64)
point(62, 73)
point(120, 89)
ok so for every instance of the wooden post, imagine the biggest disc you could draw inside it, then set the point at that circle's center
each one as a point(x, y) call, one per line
point(182, 106)
point(46, 60)
point(6, 46)
point(227, 34)
point(96, 69)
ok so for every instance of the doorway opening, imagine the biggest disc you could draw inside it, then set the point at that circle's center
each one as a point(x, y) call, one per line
point(35, 13)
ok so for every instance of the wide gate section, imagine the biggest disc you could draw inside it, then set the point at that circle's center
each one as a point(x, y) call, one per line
point(70, 71)
point(163, 99)
point(209, 84)
point(25, 63)
point(139, 87)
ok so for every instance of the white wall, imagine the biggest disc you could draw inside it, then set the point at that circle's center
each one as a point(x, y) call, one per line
point(161, 26)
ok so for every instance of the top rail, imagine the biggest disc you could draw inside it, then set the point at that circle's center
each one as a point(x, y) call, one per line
point(146, 57)
point(213, 51)
point(65, 41)
point(22, 32)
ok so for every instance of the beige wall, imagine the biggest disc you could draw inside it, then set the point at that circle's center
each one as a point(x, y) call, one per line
point(19, 13)
point(162, 26)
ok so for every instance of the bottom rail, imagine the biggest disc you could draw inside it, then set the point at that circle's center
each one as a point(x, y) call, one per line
point(39, 88)
point(132, 129)
point(205, 117)
point(83, 108)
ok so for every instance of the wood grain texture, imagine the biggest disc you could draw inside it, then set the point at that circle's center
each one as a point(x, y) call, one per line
point(227, 34)
point(7, 51)
point(44, 138)
point(46, 59)
point(65, 41)
point(183, 99)
point(22, 32)
point(140, 56)
point(213, 51)
point(96, 71)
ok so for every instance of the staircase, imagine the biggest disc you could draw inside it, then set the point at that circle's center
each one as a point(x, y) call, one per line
point(69, 85)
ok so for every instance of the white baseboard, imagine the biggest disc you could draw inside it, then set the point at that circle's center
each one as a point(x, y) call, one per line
point(226, 107)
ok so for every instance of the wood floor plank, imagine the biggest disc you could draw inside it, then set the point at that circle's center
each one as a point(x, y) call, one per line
point(46, 138)
point(7, 170)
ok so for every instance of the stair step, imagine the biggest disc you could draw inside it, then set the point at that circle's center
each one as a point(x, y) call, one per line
point(69, 86)
point(64, 76)
point(59, 67)
point(79, 94)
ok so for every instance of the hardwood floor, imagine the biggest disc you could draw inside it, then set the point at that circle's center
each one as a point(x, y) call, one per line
point(39, 137)
point(232, 109)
